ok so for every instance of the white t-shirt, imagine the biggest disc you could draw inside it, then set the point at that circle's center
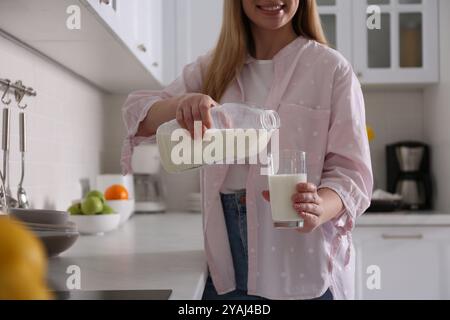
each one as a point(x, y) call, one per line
point(257, 79)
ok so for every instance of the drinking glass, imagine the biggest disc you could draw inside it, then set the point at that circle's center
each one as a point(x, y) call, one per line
point(287, 168)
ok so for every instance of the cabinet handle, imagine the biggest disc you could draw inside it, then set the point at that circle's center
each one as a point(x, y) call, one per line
point(104, 2)
point(402, 237)
point(142, 47)
point(155, 64)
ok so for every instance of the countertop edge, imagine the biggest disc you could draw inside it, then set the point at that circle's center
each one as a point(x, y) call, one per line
point(430, 219)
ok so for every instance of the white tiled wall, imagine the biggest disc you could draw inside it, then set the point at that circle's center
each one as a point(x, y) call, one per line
point(65, 128)
point(114, 132)
point(395, 116)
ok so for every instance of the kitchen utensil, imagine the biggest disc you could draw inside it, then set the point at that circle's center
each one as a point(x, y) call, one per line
point(125, 208)
point(409, 174)
point(21, 194)
point(40, 216)
point(11, 202)
point(98, 224)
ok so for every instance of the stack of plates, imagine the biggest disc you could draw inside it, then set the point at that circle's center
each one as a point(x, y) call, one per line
point(53, 228)
point(194, 202)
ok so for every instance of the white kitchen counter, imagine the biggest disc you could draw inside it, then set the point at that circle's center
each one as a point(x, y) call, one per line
point(163, 251)
point(425, 218)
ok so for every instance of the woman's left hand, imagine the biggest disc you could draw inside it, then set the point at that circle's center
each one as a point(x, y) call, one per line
point(308, 204)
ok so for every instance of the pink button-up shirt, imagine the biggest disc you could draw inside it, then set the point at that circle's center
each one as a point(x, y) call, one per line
point(321, 106)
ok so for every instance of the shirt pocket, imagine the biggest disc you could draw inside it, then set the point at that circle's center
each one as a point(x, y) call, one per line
point(306, 128)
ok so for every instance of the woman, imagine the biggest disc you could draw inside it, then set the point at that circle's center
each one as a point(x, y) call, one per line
point(272, 53)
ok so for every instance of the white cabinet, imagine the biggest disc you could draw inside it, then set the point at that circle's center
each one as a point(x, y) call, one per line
point(198, 24)
point(413, 262)
point(403, 49)
point(139, 25)
point(165, 35)
point(98, 47)
point(336, 17)
point(108, 10)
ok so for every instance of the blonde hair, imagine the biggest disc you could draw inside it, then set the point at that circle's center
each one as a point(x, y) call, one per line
point(236, 41)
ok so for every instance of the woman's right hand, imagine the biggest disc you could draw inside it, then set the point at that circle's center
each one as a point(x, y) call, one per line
point(195, 107)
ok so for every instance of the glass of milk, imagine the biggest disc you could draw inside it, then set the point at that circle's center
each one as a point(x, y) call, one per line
point(286, 170)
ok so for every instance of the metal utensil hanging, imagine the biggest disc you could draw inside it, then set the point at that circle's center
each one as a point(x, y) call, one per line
point(20, 91)
point(22, 197)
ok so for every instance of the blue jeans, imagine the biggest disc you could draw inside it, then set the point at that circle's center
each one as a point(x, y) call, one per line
point(235, 212)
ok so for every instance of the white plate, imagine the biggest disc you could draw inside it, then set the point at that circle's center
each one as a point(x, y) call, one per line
point(40, 216)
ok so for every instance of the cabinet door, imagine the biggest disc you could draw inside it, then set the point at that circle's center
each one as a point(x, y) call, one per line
point(138, 24)
point(142, 20)
point(108, 10)
point(403, 48)
point(413, 262)
point(154, 36)
point(198, 24)
point(336, 17)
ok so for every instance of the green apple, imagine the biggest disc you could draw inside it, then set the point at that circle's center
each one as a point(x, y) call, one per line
point(92, 206)
point(75, 209)
point(107, 210)
point(96, 194)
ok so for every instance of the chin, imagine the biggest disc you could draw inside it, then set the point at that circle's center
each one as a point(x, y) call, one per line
point(271, 26)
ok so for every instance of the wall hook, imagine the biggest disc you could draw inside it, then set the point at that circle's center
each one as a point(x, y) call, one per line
point(19, 94)
point(8, 86)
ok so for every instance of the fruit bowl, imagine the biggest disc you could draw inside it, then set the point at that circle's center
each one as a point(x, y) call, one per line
point(96, 224)
point(125, 208)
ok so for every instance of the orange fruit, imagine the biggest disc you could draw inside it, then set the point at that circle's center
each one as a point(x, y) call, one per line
point(23, 263)
point(116, 192)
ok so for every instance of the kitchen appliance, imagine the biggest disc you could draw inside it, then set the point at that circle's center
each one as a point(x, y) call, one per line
point(148, 188)
point(409, 174)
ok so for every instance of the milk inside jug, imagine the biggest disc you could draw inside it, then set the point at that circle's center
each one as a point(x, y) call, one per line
point(239, 133)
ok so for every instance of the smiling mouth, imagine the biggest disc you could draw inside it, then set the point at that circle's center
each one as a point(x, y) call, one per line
point(271, 8)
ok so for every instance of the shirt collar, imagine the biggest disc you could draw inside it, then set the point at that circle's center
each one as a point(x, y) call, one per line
point(294, 46)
